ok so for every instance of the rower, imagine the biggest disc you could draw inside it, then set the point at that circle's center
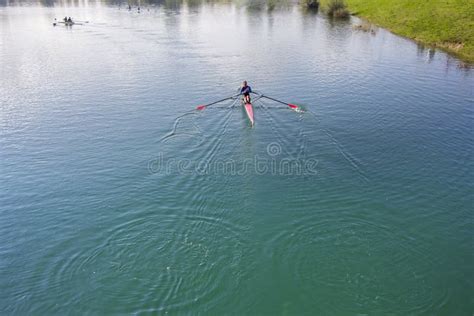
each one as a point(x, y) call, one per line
point(246, 90)
point(69, 20)
point(65, 19)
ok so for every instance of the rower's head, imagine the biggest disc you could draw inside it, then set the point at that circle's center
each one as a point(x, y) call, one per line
point(244, 83)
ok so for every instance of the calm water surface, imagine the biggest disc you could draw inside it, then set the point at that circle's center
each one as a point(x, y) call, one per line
point(117, 197)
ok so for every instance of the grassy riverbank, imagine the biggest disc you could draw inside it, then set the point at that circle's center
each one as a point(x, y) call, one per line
point(447, 24)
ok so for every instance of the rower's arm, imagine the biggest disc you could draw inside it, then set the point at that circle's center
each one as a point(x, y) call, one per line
point(256, 93)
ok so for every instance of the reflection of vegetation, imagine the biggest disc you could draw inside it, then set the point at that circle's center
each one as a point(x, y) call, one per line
point(165, 3)
point(252, 5)
point(429, 52)
point(270, 5)
point(256, 5)
point(47, 3)
point(172, 4)
point(365, 26)
point(466, 66)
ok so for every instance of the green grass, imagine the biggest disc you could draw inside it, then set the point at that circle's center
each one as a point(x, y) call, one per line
point(447, 24)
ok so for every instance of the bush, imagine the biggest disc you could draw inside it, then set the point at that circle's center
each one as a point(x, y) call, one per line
point(338, 9)
point(311, 4)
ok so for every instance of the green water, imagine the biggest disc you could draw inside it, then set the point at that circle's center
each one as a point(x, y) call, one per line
point(116, 197)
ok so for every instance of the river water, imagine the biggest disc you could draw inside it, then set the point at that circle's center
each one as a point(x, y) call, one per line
point(117, 197)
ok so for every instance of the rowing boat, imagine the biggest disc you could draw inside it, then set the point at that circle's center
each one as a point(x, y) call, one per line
point(249, 110)
point(248, 107)
point(66, 23)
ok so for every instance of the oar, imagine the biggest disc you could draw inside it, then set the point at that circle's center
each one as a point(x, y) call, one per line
point(291, 106)
point(70, 23)
point(203, 106)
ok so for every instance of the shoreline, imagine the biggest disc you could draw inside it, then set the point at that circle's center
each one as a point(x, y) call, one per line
point(446, 25)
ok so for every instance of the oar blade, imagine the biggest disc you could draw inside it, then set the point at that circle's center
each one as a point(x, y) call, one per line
point(200, 107)
point(293, 106)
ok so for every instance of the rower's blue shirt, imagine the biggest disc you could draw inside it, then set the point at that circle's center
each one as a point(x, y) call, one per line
point(245, 90)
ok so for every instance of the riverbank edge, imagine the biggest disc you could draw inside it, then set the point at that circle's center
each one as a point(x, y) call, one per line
point(376, 13)
point(467, 57)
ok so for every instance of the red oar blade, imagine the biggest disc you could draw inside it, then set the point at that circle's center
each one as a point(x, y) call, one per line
point(293, 106)
point(200, 107)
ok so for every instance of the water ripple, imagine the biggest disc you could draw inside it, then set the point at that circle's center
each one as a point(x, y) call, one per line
point(196, 266)
point(363, 260)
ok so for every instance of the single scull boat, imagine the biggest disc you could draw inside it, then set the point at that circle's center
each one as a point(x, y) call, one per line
point(249, 110)
point(66, 23)
point(248, 107)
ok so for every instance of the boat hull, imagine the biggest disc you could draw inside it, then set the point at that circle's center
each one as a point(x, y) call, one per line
point(65, 23)
point(249, 111)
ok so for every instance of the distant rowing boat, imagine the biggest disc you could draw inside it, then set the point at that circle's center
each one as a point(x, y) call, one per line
point(69, 23)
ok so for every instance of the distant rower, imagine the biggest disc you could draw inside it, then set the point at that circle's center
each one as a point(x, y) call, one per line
point(246, 90)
